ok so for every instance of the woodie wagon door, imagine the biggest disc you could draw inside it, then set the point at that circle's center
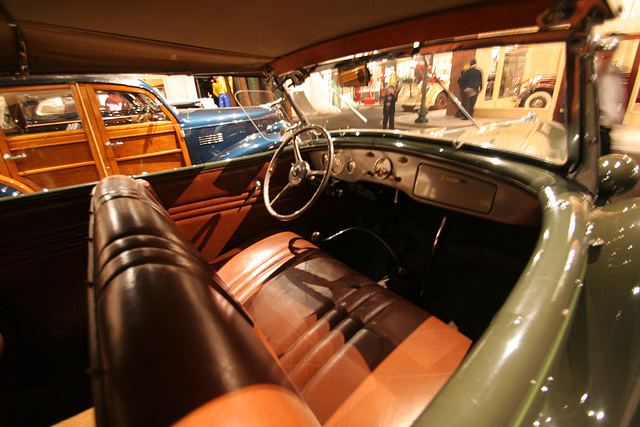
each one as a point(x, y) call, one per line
point(139, 133)
point(46, 140)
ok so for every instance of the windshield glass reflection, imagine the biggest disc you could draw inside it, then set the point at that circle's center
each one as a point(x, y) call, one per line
point(505, 98)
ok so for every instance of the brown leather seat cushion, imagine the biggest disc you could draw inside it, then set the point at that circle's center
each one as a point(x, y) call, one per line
point(357, 352)
point(171, 335)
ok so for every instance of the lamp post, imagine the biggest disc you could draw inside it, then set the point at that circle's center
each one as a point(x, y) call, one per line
point(423, 111)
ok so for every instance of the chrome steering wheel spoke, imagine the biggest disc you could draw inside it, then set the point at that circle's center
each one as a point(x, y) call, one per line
point(299, 172)
point(283, 191)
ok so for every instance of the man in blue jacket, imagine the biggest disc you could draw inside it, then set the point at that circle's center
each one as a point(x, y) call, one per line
point(470, 86)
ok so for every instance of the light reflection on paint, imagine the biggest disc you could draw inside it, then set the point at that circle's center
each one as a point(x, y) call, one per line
point(570, 259)
point(551, 196)
point(513, 345)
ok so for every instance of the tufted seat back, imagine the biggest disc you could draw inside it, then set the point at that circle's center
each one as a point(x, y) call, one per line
point(167, 337)
point(280, 334)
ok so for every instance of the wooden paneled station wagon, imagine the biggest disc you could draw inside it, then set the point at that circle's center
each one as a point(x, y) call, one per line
point(61, 131)
point(478, 272)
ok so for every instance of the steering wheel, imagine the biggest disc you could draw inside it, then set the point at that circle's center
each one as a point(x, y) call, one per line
point(299, 171)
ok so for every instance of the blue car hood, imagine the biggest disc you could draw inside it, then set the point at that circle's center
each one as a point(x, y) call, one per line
point(200, 118)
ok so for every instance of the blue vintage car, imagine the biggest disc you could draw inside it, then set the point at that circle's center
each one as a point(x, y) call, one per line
point(104, 125)
point(215, 134)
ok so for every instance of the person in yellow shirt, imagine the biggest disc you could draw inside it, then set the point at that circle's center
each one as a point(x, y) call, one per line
point(219, 88)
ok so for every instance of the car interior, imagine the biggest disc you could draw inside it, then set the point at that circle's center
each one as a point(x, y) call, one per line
point(341, 279)
point(297, 289)
point(328, 295)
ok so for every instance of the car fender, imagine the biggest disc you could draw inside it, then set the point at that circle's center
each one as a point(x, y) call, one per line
point(612, 293)
point(212, 132)
point(596, 376)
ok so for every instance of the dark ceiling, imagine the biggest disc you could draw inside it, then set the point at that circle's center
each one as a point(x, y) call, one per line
point(87, 36)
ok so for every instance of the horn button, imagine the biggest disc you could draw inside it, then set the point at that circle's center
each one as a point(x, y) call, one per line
point(298, 172)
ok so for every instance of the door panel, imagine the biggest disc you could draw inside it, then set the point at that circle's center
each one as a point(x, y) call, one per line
point(221, 208)
point(140, 135)
point(147, 164)
point(45, 140)
point(56, 161)
point(210, 206)
point(145, 148)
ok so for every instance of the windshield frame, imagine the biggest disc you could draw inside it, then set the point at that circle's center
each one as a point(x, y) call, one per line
point(577, 103)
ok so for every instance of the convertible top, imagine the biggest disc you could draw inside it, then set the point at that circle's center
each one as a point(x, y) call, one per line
point(243, 36)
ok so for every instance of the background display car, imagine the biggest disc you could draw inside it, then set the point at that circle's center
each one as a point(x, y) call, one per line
point(62, 131)
point(410, 97)
point(536, 92)
point(482, 274)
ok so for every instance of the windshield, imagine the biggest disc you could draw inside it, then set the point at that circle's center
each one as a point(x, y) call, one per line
point(500, 98)
point(506, 98)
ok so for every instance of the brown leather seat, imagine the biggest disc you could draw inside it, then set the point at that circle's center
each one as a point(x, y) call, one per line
point(343, 340)
point(171, 335)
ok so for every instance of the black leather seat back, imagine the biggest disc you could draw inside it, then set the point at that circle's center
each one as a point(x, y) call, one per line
point(166, 337)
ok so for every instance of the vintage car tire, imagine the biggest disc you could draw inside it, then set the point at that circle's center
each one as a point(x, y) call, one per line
point(440, 101)
point(538, 99)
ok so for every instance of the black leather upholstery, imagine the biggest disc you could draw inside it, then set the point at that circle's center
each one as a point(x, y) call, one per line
point(166, 336)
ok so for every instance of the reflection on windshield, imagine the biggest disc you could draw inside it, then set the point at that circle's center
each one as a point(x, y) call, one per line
point(509, 91)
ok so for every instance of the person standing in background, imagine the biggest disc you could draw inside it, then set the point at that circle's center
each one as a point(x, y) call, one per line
point(459, 113)
point(470, 86)
point(610, 92)
point(389, 108)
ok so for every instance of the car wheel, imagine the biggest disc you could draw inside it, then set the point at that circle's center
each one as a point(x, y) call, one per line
point(538, 100)
point(440, 102)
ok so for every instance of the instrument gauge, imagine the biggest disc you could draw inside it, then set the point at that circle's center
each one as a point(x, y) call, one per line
point(338, 163)
point(382, 168)
point(351, 166)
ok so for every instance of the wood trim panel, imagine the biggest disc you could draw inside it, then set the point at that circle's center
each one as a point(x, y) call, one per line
point(99, 132)
point(164, 139)
point(8, 146)
point(94, 146)
point(7, 167)
point(25, 142)
point(183, 144)
point(139, 129)
point(4, 170)
point(56, 168)
point(35, 88)
point(81, 155)
point(22, 186)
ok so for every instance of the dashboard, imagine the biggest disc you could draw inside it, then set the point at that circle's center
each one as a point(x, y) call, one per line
point(441, 184)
